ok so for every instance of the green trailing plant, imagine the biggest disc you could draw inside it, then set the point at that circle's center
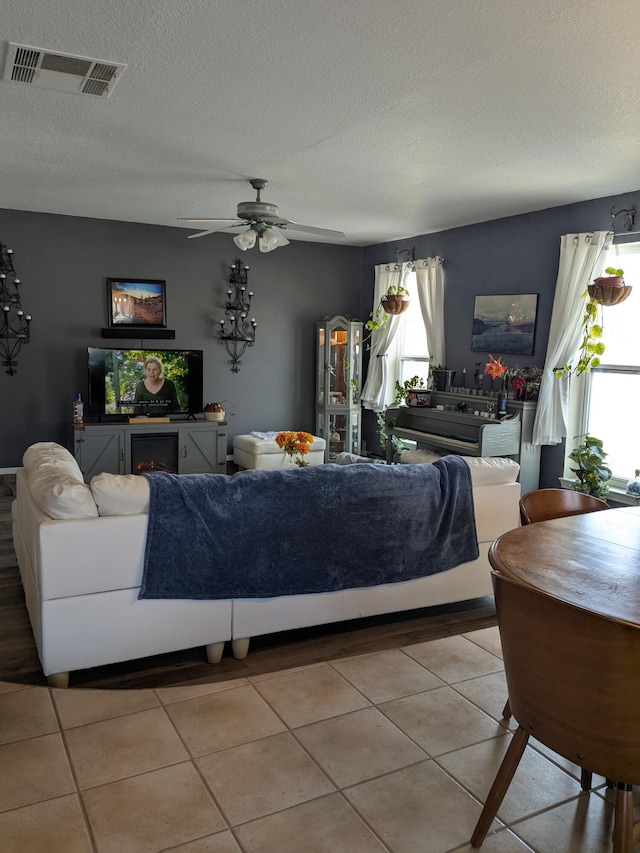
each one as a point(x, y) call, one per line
point(402, 390)
point(352, 384)
point(592, 346)
point(591, 472)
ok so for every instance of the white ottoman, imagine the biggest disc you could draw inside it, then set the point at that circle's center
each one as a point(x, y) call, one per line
point(250, 451)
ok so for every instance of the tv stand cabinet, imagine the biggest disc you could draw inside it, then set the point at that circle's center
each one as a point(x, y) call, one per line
point(106, 448)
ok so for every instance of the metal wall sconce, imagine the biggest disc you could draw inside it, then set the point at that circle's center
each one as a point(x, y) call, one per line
point(238, 330)
point(15, 325)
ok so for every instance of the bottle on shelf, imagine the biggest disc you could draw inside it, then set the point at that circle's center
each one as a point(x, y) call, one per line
point(502, 400)
point(78, 410)
point(633, 486)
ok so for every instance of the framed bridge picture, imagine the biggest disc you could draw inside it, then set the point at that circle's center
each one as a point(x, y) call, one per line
point(505, 324)
point(136, 302)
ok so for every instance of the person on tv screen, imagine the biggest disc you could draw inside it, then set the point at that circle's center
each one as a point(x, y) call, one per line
point(155, 394)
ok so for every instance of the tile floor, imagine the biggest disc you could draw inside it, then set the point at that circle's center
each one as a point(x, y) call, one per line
point(392, 751)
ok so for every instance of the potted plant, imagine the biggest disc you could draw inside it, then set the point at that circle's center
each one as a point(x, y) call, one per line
point(496, 370)
point(394, 301)
point(610, 288)
point(441, 378)
point(524, 382)
point(403, 391)
point(607, 289)
point(591, 472)
point(215, 411)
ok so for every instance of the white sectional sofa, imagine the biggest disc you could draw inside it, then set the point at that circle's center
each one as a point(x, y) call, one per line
point(496, 496)
point(81, 549)
point(81, 569)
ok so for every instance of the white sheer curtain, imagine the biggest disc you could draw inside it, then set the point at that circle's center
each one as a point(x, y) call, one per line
point(376, 394)
point(579, 255)
point(430, 281)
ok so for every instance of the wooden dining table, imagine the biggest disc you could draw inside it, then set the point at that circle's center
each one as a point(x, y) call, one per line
point(590, 560)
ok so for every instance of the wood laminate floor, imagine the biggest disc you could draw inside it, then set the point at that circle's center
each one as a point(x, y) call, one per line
point(19, 659)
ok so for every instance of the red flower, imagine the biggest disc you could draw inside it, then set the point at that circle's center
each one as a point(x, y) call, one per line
point(495, 368)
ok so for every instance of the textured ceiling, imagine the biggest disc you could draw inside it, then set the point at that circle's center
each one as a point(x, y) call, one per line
point(382, 120)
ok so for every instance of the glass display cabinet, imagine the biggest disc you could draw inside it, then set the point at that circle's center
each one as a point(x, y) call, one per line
point(338, 384)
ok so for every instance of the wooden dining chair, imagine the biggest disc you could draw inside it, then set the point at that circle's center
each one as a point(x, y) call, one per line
point(545, 504)
point(574, 687)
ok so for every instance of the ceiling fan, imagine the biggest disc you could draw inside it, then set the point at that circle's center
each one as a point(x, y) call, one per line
point(264, 223)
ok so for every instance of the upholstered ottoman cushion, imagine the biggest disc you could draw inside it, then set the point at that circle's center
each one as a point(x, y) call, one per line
point(253, 451)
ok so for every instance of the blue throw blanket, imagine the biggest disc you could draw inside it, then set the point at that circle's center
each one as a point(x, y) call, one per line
point(260, 534)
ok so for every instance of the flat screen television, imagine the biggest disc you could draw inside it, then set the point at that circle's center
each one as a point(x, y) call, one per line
point(117, 386)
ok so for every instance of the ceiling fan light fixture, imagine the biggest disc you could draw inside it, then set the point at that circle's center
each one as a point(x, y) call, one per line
point(264, 222)
point(246, 240)
point(271, 239)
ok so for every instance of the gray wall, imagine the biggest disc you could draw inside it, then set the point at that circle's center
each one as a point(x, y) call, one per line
point(63, 263)
point(518, 254)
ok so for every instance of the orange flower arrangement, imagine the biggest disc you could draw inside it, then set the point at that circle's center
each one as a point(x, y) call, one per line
point(295, 445)
point(495, 368)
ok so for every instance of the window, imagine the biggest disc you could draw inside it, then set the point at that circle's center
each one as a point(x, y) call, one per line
point(413, 359)
point(609, 403)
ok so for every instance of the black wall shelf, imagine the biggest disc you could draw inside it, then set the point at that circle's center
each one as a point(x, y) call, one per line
point(148, 332)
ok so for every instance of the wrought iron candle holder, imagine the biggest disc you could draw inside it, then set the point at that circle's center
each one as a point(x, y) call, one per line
point(15, 325)
point(238, 330)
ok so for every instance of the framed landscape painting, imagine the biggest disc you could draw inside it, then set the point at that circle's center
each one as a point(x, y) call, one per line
point(505, 324)
point(136, 302)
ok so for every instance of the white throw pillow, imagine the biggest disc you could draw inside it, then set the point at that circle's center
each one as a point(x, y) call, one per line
point(120, 494)
point(56, 482)
point(50, 453)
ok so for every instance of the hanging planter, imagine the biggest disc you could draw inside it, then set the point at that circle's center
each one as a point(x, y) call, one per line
point(609, 289)
point(395, 303)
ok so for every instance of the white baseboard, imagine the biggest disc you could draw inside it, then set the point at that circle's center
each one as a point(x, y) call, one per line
point(8, 471)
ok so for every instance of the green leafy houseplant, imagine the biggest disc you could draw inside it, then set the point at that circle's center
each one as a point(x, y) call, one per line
point(592, 473)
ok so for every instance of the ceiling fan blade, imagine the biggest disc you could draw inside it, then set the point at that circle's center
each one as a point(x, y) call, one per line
point(310, 229)
point(220, 226)
point(206, 219)
point(201, 234)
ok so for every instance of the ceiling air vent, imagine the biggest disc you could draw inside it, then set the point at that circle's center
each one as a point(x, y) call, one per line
point(61, 71)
